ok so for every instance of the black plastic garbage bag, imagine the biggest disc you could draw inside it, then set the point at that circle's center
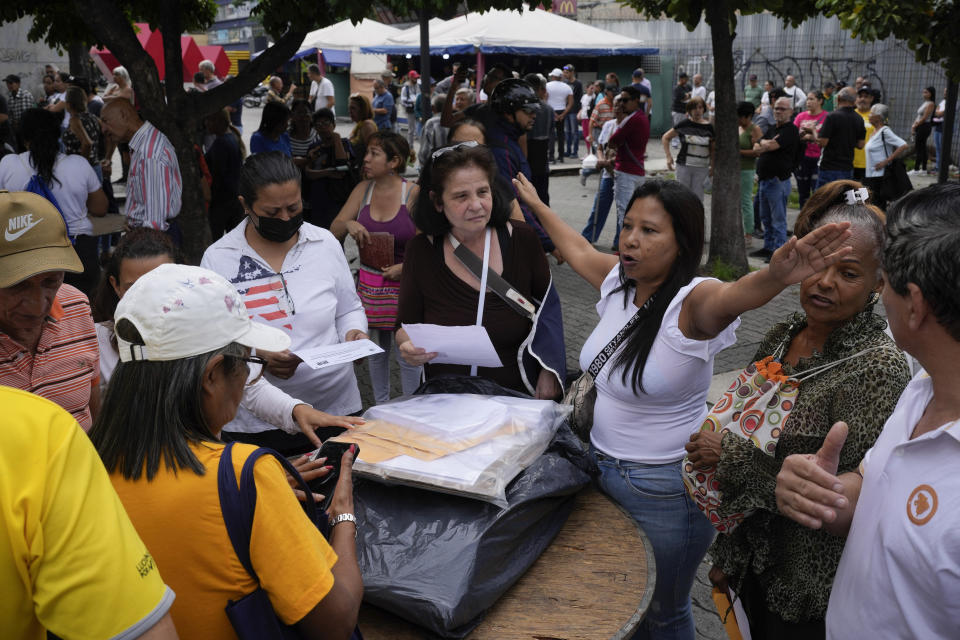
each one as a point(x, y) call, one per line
point(440, 561)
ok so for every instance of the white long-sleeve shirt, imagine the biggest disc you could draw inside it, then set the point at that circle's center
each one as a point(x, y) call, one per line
point(313, 298)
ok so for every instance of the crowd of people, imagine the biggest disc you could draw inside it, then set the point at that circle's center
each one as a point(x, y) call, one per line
point(160, 382)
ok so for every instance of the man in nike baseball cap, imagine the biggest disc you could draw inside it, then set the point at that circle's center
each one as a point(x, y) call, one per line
point(34, 238)
point(48, 343)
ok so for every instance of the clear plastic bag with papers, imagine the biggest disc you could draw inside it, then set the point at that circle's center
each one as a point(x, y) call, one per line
point(464, 444)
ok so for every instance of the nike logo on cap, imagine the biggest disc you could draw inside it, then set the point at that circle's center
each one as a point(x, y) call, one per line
point(19, 225)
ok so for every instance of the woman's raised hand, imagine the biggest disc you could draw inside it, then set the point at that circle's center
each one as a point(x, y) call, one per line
point(525, 190)
point(801, 258)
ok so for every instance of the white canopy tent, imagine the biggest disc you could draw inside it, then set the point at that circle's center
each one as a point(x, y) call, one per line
point(409, 39)
point(534, 32)
point(340, 44)
point(346, 35)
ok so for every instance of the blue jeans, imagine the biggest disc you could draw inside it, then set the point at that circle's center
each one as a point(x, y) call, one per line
point(379, 367)
point(829, 175)
point(623, 187)
point(572, 134)
point(601, 207)
point(772, 194)
point(655, 497)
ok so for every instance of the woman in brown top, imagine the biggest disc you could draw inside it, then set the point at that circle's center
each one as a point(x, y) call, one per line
point(458, 202)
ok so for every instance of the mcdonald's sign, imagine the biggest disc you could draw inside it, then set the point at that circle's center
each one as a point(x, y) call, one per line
point(566, 8)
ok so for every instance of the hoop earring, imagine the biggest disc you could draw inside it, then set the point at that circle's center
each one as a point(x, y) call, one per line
point(874, 299)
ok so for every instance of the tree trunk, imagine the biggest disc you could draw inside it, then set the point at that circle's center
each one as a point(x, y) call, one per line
point(193, 219)
point(168, 107)
point(726, 229)
point(949, 120)
point(77, 53)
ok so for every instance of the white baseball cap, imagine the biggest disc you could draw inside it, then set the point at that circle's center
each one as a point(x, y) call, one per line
point(556, 73)
point(182, 311)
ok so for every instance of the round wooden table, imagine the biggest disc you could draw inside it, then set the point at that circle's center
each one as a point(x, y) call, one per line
point(594, 581)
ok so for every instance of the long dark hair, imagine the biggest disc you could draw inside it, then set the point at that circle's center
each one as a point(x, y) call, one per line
point(152, 412)
point(40, 130)
point(141, 242)
point(273, 120)
point(686, 213)
point(434, 176)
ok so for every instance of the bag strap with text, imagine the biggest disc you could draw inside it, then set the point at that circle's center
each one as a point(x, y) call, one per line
point(607, 352)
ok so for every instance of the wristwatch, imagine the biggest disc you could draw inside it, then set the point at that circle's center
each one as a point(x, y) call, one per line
point(344, 517)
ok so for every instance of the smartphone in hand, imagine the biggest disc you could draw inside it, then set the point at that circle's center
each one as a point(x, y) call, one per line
point(333, 452)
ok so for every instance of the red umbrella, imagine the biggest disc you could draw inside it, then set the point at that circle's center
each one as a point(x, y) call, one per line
point(218, 56)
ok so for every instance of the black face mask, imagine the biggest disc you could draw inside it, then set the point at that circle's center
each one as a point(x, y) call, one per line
point(275, 229)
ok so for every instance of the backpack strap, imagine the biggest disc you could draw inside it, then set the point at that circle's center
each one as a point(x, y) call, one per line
point(237, 515)
point(238, 505)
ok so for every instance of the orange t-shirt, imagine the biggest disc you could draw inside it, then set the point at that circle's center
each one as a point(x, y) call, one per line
point(178, 517)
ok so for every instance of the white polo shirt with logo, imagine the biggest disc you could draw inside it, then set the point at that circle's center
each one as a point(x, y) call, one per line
point(899, 576)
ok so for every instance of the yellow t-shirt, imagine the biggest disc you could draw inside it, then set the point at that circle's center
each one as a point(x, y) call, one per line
point(860, 155)
point(178, 516)
point(70, 560)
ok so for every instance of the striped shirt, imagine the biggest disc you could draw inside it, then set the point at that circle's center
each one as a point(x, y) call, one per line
point(300, 146)
point(153, 181)
point(67, 361)
point(602, 114)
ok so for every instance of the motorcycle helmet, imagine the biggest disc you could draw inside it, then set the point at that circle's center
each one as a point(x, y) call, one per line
point(511, 95)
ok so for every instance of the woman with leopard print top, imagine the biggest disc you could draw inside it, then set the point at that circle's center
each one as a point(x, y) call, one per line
point(780, 570)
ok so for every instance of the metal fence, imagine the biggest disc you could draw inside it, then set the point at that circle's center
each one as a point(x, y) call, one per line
point(816, 52)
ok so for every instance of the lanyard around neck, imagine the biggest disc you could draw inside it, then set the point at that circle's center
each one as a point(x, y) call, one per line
point(483, 287)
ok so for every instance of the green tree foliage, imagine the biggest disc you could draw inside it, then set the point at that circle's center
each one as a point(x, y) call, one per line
point(929, 27)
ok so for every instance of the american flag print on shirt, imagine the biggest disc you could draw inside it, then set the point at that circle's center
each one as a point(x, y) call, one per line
point(264, 292)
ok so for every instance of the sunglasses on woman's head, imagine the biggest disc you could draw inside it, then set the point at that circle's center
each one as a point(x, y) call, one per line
point(469, 144)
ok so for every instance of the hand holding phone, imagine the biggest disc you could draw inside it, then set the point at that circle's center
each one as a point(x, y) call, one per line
point(333, 452)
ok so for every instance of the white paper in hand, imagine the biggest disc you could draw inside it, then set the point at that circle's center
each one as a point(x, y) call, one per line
point(469, 345)
point(339, 353)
